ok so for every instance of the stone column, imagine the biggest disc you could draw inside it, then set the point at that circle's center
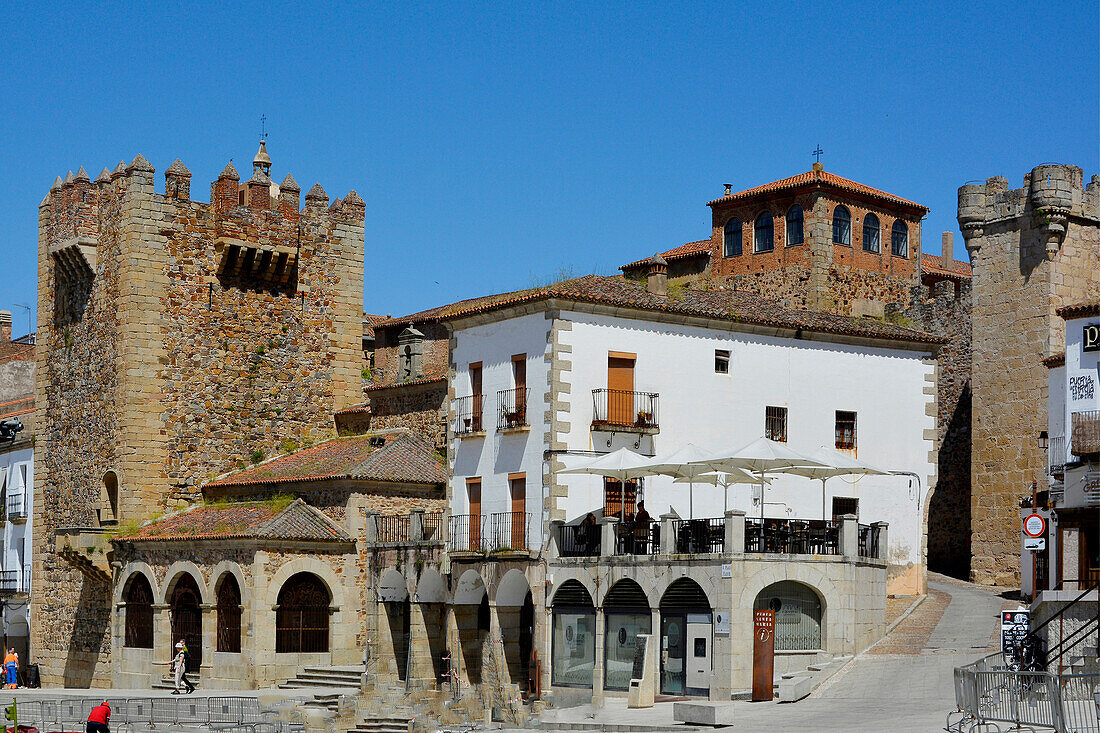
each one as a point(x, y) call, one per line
point(608, 532)
point(416, 525)
point(668, 534)
point(209, 641)
point(735, 531)
point(598, 668)
point(162, 641)
point(849, 537)
point(556, 528)
point(883, 540)
point(497, 668)
point(370, 533)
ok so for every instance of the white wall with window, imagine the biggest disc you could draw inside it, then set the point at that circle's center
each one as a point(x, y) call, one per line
point(17, 484)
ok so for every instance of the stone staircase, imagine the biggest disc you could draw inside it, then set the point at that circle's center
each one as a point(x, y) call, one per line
point(380, 724)
point(335, 678)
point(794, 686)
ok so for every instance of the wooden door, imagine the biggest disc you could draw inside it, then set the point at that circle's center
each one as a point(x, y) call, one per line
point(473, 490)
point(519, 376)
point(620, 388)
point(518, 485)
point(475, 390)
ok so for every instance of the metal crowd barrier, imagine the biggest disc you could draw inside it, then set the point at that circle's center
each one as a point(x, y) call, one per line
point(987, 693)
point(242, 714)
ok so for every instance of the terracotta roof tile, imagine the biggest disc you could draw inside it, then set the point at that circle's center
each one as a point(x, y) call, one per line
point(16, 407)
point(934, 264)
point(1083, 309)
point(258, 520)
point(818, 177)
point(370, 320)
point(395, 455)
point(691, 249)
point(730, 305)
point(1054, 361)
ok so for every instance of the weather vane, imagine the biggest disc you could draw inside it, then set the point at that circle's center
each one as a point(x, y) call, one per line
point(263, 127)
point(817, 154)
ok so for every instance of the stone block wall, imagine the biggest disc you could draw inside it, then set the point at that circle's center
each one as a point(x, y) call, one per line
point(1033, 249)
point(156, 366)
point(421, 408)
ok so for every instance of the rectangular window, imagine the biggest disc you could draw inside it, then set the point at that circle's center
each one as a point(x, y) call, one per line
point(478, 399)
point(573, 647)
point(721, 361)
point(775, 424)
point(845, 430)
point(618, 498)
point(845, 505)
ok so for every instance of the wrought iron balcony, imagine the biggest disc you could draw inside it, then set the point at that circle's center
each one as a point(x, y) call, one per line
point(469, 412)
point(618, 409)
point(579, 540)
point(467, 533)
point(1056, 456)
point(512, 408)
point(1085, 438)
point(17, 508)
point(15, 581)
point(498, 532)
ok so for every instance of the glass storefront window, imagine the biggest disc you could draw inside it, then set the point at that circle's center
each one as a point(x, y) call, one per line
point(573, 648)
point(619, 646)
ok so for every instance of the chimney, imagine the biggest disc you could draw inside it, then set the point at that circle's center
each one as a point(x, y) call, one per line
point(947, 253)
point(5, 326)
point(657, 279)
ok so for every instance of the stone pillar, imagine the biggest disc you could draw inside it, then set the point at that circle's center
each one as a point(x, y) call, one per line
point(162, 641)
point(849, 537)
point(416, 525)
point(495, 669)
point(608, 532)
point(883, 540)
point(209, 640)
point(1070, 558)
point(735, 531)
point(598, 668)
point(668, 534)
point(556, 528)
point(370, 533)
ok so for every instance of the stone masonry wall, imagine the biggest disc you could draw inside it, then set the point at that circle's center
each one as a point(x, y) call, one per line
point(152, 366)
point(1033, 249)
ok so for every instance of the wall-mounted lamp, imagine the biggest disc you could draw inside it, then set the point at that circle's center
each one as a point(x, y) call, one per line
point(1043, 441)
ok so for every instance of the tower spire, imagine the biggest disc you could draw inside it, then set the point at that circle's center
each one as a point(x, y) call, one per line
point(262, 161)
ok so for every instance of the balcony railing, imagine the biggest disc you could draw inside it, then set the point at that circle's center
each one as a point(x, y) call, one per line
point(699, 536)
point(868, 540)
point(467, 533)
point(508, 531)
point(617, 408)
point(394, 528)
point(433, 526)
point(15, 581)
point(1056, 455)
point(579, 540)
point(469, 414)
point(512, 408)
point(634, 538)
point(1085, 437)
point(792, 537)
point(16, 506)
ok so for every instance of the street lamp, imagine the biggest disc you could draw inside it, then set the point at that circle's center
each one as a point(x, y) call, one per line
point(1043, 440)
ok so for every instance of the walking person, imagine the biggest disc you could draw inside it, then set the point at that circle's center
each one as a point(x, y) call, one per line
point(99, 721)
point(11, 667)
point(179, 666)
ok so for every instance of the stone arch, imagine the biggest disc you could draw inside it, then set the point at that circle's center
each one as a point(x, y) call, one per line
point(649, 593)
point(229, 617)
point(392, 587)
point(804, 629)
point(303, 622)
point(512, 589)
point(218, 573)
point(177, 570)
point(132, 569)
point(685, 582)
point(306, 565)
point(580, 579)
point(430, 588)
point(470, 589)
point(771, 574)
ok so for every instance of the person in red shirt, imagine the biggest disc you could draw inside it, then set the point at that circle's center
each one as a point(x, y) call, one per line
point(100, 718)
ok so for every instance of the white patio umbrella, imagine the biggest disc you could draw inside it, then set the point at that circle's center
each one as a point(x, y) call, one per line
point(725, 480)
point(685, 463)
point(839, 464)
point(760, 457)
point(622, 465)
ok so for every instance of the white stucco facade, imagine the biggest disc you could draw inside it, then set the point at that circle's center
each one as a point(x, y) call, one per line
point(16, 480)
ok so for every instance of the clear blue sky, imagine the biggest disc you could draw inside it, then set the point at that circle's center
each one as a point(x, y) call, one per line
point(497, 145)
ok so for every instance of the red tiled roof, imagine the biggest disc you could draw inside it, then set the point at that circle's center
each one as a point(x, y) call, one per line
point(16, 407)
point(1080, 310)
point(439, 375)
point(934, 264)
point(370, 320)
point(729, 305)
point(819, 177)
point(1055, 360)
point(251, 519)
point(394, 455)
point(691, 249)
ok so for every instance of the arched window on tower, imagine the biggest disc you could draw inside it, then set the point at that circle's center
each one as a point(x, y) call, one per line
point(763, 230)
point(731, 237)
point(842, 225)
point(794, 225)
point(899, 239)
point(871, 229)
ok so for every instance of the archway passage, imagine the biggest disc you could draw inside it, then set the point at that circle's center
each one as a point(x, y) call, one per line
point(186, 609)
point(471, 612)
point(573, 636)
point(302, 621)
point(627, 614)
point(686, 637)
point(229, 614)
point(139, 613)
point(513, 596)
point(797, 615)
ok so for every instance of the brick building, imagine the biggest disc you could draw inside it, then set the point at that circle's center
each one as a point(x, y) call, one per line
point(177, 340)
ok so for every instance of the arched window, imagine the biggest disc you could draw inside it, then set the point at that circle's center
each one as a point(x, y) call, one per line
point(794, 225)
point(731, 237)
point(842, 225)
point(763, 230)
point(573, 636)
point(185, 611)
point(871, 233)
point(108, 510)
point(797, 615)
point(899, 239)
point(139, 613)
point(229, 614)
point(301, 623)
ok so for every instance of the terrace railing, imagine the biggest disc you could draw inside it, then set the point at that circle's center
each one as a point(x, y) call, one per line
point(792, 536)
point(508, 531)
point(578, 540)
point(634, 538)
point(869, 535)
point(617, 408)
point(467, 533)
point(699, 536)
point(433, 526)
point(393, 528)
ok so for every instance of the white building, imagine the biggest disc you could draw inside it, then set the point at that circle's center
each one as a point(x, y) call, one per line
point(544, 379)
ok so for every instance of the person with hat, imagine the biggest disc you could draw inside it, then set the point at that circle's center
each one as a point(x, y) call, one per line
point(179, 664)
point(11, 667)
point(99, 719)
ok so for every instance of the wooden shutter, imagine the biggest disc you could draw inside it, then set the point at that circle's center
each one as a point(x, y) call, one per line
point(620, 388)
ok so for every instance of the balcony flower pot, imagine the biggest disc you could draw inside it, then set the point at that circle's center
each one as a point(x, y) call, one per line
point(466, 422)
point(644, 418)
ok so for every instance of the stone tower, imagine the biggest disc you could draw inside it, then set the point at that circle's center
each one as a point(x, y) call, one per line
point(1033, 249)
point(178, 340)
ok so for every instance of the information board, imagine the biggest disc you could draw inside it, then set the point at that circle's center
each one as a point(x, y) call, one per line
point(763, 655)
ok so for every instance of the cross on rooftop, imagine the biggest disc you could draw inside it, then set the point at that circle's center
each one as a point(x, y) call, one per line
point(263, 126)
point(817, 154)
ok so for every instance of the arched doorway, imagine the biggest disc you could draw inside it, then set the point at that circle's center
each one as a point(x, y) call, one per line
point(139, 613)
point(471, 612)
point(797, 615)
point(430, 596)
point(229, 614)
point(302, 618)
point(626, 614)
point(185, 607)
point(685, 639)
point(515, 614)
point(572, 636)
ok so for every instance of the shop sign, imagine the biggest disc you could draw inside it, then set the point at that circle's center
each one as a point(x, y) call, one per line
point(721, 623)
point(1090, 338)
point(1082, 389)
